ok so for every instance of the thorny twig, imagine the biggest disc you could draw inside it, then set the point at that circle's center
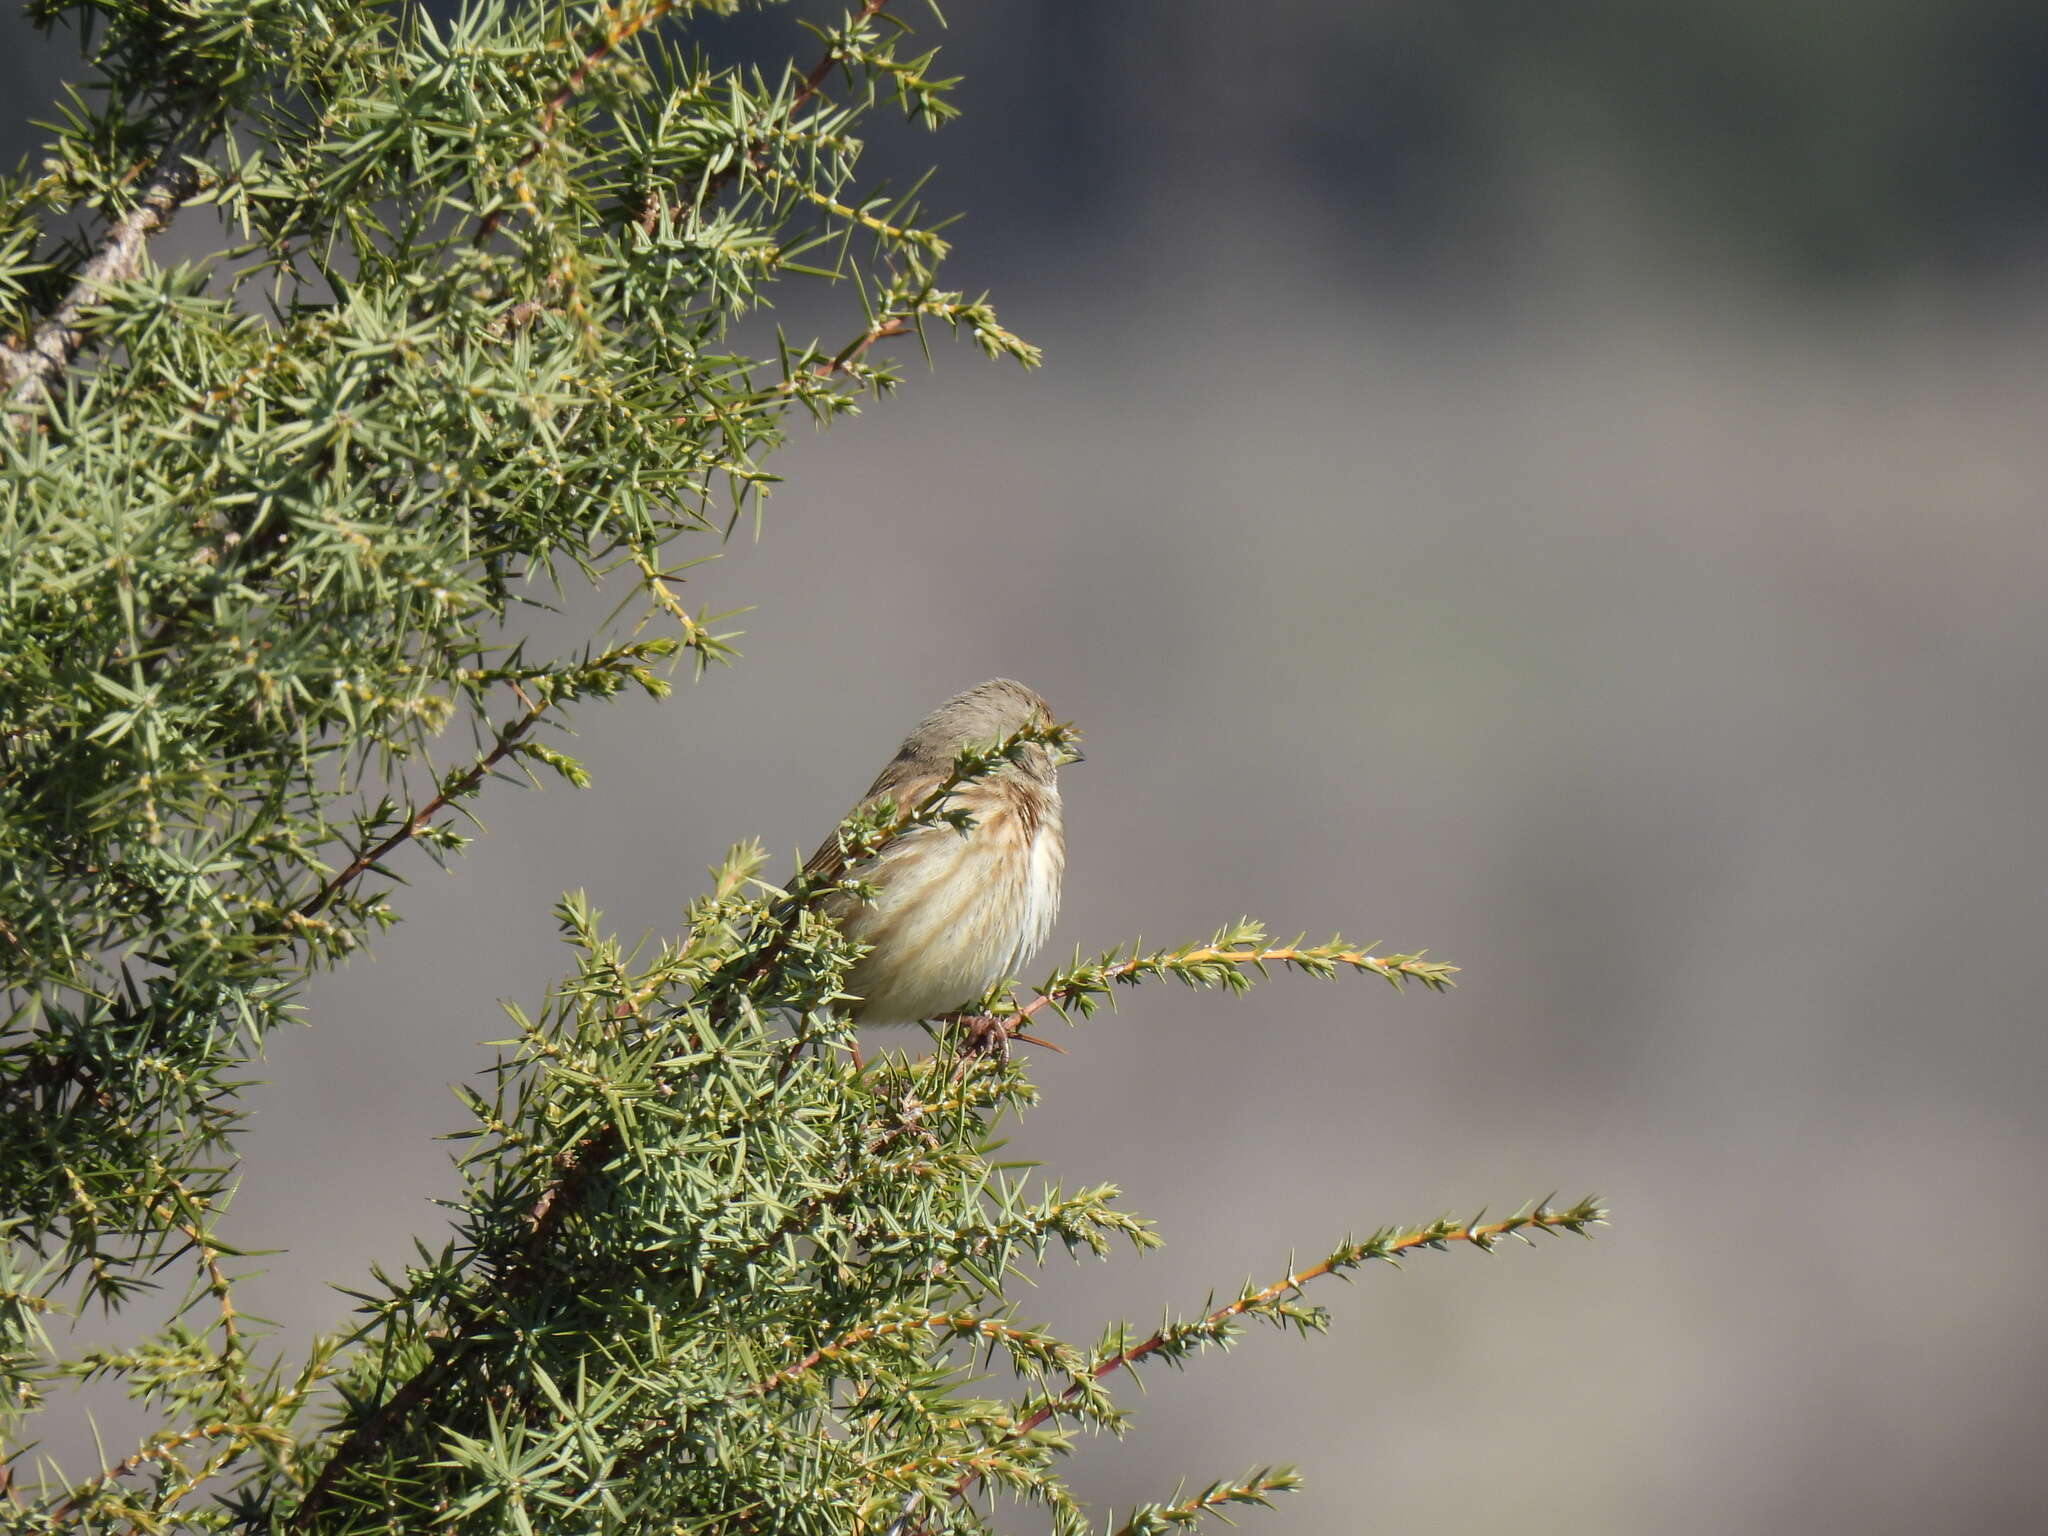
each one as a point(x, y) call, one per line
point(33, 371)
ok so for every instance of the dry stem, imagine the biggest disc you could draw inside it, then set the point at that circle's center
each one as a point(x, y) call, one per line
point(33, 371)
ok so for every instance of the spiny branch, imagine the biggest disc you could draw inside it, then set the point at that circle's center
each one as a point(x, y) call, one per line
point(1223, 961)
point(822, 70)
point(617, 30)
point(1256, 1488)
point(165, 1446)
point(453, 789)
point(574, 1169)
point(885, 326)
point(67, 1067)
point(957, 1324)
point(180, 1209)
point(881, 330)
point(158, 1448)
point(367, 1435)
point(1384, 1246)
point(807, 87)
point(896, 323)
point(33, 371)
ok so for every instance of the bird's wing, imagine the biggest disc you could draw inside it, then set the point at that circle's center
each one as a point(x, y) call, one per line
point(828, 863)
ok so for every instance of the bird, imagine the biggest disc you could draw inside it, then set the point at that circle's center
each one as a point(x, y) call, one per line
point(954, 912)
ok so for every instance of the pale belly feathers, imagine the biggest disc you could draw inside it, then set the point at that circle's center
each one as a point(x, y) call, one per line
point(955, 915)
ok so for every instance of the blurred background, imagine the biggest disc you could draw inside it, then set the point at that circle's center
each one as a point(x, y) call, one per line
point(1552, 485)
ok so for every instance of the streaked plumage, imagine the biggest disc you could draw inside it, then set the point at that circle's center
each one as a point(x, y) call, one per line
point(955, 914)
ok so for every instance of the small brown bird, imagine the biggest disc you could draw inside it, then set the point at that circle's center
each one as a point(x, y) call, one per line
point(955, 914)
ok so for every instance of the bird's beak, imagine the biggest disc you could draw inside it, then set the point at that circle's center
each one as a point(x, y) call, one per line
point(1070, 755)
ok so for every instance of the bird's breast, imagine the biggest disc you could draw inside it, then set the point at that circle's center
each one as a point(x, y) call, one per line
point(955, 914)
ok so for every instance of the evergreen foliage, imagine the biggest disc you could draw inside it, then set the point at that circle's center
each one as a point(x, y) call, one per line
point(268, 522)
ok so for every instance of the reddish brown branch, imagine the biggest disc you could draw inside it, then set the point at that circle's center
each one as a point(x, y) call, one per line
point(372, 1430)
point(811, 84)
point(366, 1435)
point(552, 109)
point(1253, 1491)
point(882, 330)
point(508, 740)
point(953, 1322)
point(823, 68)
point(957, 1323)
point(1012, 1025)
point(852, 352)
point(157, 1450)
point(574, 1170)
point(68, 1067)
point(1483, 1236)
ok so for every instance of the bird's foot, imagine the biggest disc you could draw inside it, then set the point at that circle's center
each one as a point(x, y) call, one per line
point(983, 1034)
